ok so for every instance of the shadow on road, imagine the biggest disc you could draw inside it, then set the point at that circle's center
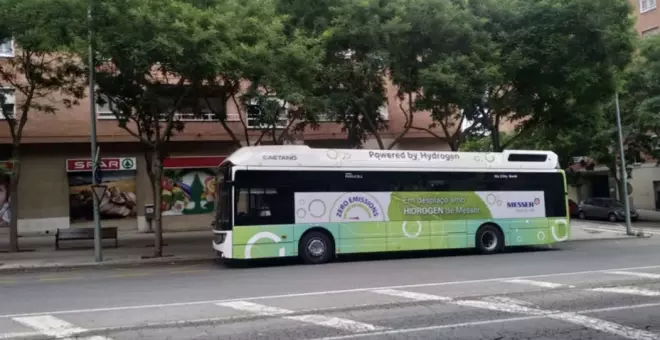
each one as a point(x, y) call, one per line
point(278, 262)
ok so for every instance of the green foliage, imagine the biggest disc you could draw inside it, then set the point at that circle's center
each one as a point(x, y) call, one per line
point(551, 63)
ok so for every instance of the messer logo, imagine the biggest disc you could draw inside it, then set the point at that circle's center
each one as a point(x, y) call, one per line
point(524, 204)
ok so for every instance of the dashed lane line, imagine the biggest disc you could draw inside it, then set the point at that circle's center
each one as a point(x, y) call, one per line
point(542, 284)
point(627, 290)
point(637, 274)
point(316, 319)
point(51, 326)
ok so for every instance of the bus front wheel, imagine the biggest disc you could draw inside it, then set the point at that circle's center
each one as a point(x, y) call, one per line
point(489, 239)
point(316, 248)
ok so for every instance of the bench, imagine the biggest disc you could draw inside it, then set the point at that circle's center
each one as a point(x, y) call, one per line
point(74, 234)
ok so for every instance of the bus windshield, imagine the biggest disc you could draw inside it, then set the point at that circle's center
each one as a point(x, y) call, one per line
point(223, 200)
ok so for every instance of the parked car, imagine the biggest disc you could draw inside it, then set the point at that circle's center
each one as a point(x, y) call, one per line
point(572, 208)
point(604, 208)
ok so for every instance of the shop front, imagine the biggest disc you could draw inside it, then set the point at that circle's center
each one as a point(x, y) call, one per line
point(118, 207)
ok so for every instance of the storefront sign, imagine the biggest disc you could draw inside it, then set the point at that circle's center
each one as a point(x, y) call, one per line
point(192, 162)
point(119, 200)
point(106, 164)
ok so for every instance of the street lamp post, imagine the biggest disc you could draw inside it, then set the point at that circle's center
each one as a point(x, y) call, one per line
point(98, 255)
point(623, 172)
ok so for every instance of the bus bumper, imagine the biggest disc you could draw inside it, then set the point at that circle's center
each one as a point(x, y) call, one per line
point(222, 242)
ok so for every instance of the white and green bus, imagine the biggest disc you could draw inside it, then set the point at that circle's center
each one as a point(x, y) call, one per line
point(282, 201)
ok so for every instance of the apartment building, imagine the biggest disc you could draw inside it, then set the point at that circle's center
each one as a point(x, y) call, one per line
point(54, 187)
point(648, 16)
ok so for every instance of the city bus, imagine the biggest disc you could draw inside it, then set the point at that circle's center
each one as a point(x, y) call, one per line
point(316, 204)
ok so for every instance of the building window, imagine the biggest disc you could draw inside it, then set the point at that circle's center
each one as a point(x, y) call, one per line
point(384, 115)
point(104, 111)
point(651, 31)
point(646, 5)
point(7, 103)
point(7, 48)
point(258, 118)
point(186, 112)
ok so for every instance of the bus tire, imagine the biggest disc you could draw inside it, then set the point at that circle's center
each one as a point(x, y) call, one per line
point(489, 239)
point(316, 247)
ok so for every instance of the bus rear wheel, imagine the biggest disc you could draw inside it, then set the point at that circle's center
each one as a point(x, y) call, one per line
point(316, 248)
point(489, 239)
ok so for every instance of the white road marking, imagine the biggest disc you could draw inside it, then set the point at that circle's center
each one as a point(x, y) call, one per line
point(620, 231)
point(543, 284)
point(502, 299)
point(255, 308)
point(411, 295)
point(17, 335)
point(316, 319)
point(317, 293)
point(487, 322)
point(57, 328)
point(627, 290)
point(642, 275)
point(606, 326)
point(512, 307)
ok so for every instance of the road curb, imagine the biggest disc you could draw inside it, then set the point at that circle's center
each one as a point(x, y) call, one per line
point(140, 263)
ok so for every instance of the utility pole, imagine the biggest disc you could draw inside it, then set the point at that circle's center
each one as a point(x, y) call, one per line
point(623, 172)
point(98, 255)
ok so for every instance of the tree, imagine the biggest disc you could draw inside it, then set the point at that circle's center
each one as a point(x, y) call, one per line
point(546, 82)
point(351, 87)
point(257, 66)
point(146, 63)
point(42, 65)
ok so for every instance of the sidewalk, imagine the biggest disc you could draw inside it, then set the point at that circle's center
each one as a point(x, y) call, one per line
point(649, 216)
point(38, 253)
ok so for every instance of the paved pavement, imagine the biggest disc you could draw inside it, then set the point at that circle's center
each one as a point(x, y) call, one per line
point(134, 249)
point(605, 289)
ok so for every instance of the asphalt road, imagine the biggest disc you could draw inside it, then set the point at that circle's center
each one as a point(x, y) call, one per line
point(578, 290)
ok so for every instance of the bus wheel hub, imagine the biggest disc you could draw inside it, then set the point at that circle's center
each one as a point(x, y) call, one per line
point(316, 247)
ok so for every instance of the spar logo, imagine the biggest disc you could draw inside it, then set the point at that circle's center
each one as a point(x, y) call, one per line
point(358, 207)
point(523, 204)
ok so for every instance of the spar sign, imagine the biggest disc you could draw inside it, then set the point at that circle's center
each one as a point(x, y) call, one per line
point(106, 164)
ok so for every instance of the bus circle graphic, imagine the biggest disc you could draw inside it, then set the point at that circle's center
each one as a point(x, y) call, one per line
point(519, 239)
point(316, 208)
point(416, 233)
point(540, 236)
point(259, 236)
point(491, 199)
point(301, 213)
point(559, 230)
point(332, 154)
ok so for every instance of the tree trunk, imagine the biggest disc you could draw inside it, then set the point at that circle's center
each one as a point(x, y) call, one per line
point(156, 178)
point(495, 135)
point(13, 197)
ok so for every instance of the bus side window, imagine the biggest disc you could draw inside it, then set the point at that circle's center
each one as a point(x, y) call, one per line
point(260, 206)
